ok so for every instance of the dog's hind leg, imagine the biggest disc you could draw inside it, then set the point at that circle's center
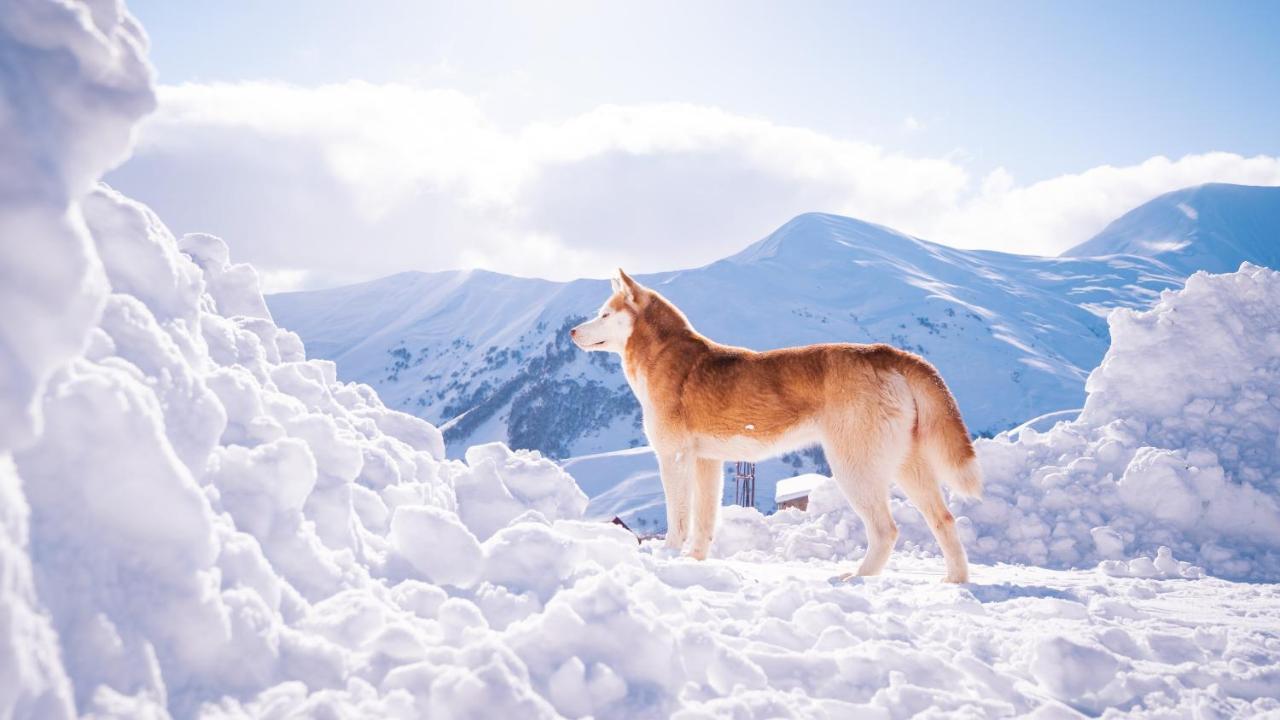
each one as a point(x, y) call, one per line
point(864, 450)
point(921, 486)
point(676, 470)
point(708, 486)
point(866, 485)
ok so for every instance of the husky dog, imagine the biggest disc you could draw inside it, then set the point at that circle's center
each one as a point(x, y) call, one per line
point(878, 412)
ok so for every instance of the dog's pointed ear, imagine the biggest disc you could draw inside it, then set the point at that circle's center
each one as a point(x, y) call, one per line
point(615, 282)
point(630, 289)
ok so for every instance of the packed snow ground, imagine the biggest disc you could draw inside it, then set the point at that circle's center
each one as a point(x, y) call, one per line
point(197, 521)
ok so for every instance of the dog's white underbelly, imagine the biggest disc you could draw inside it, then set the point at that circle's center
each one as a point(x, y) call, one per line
point(753, 448)
point(746, 446)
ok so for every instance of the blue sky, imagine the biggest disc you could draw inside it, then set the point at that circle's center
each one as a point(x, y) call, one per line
point(1010, 94)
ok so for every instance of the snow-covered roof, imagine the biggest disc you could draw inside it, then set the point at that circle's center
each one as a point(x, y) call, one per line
point(798, 486)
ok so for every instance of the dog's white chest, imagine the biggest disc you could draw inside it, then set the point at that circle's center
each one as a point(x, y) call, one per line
point(648, 417)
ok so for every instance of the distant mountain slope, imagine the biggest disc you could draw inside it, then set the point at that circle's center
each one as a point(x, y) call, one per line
point(1211, 227)
point(487, 355)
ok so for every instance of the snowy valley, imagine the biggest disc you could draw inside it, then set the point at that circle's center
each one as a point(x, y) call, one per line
point(201, 516)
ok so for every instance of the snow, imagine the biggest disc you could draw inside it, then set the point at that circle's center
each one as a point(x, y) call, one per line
point(198, 521)
point(1210, 227)
point(1070, 670)
point(1176, 444)
point(436, 544)
point(502, 485)
point(797, 486)
point(75, 83)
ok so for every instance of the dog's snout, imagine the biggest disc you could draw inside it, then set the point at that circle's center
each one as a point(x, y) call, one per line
point(573, 332)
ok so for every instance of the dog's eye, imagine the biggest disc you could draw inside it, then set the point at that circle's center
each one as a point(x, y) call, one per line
point(605, 315)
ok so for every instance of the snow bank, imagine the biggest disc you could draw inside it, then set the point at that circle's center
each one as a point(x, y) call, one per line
point(74, 83)
point(1176, 448)
point(206, 515)
point(210, 512)
point(191, 512)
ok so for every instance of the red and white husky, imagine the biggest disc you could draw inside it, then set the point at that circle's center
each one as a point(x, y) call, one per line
point(878, 412)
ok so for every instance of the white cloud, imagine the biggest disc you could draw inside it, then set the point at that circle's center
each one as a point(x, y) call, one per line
point(1050, 216)
point(354, 180)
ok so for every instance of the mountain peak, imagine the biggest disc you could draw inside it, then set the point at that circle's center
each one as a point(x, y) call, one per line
point(816, 237)
point(1212, 227)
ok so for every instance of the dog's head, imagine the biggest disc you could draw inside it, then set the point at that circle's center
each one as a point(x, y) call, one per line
point(611, 327)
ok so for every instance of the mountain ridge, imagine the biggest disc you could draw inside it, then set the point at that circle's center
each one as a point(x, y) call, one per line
point(486, 355)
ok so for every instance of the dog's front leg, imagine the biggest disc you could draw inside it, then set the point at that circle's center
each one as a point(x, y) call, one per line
point(708, 486)
point(676, 470)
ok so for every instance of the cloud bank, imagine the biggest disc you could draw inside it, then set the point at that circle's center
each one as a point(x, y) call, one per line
point(329, 184)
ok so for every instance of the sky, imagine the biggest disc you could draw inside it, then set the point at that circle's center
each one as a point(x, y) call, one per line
point(330, 142)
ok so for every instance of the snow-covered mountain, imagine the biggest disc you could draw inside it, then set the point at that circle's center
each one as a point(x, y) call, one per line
point(486, 355)
point(1212, 227)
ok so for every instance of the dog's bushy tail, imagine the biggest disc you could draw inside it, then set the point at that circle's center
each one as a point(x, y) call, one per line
point(940, 432)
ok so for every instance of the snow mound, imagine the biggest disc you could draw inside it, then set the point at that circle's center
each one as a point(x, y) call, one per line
point(1174, 454)
point(73, 81)
point(209, 510)
point(1176, 445)
point(191, 512)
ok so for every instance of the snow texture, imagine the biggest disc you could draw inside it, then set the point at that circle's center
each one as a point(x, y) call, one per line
point(197, 521)
point(75, 82)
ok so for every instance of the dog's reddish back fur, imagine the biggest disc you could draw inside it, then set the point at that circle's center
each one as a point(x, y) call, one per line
point(705, 387)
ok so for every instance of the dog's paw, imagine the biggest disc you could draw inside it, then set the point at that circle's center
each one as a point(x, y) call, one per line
point(666, 552)
point(698, 554)
point(847, 579)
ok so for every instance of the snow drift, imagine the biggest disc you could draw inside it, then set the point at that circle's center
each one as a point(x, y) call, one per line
point(73, 83)
point(208, 508)
point(192, 511)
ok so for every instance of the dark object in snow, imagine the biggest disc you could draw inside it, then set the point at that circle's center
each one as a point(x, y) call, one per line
point(744, 484)
point(618, 521)
point(801, 503)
